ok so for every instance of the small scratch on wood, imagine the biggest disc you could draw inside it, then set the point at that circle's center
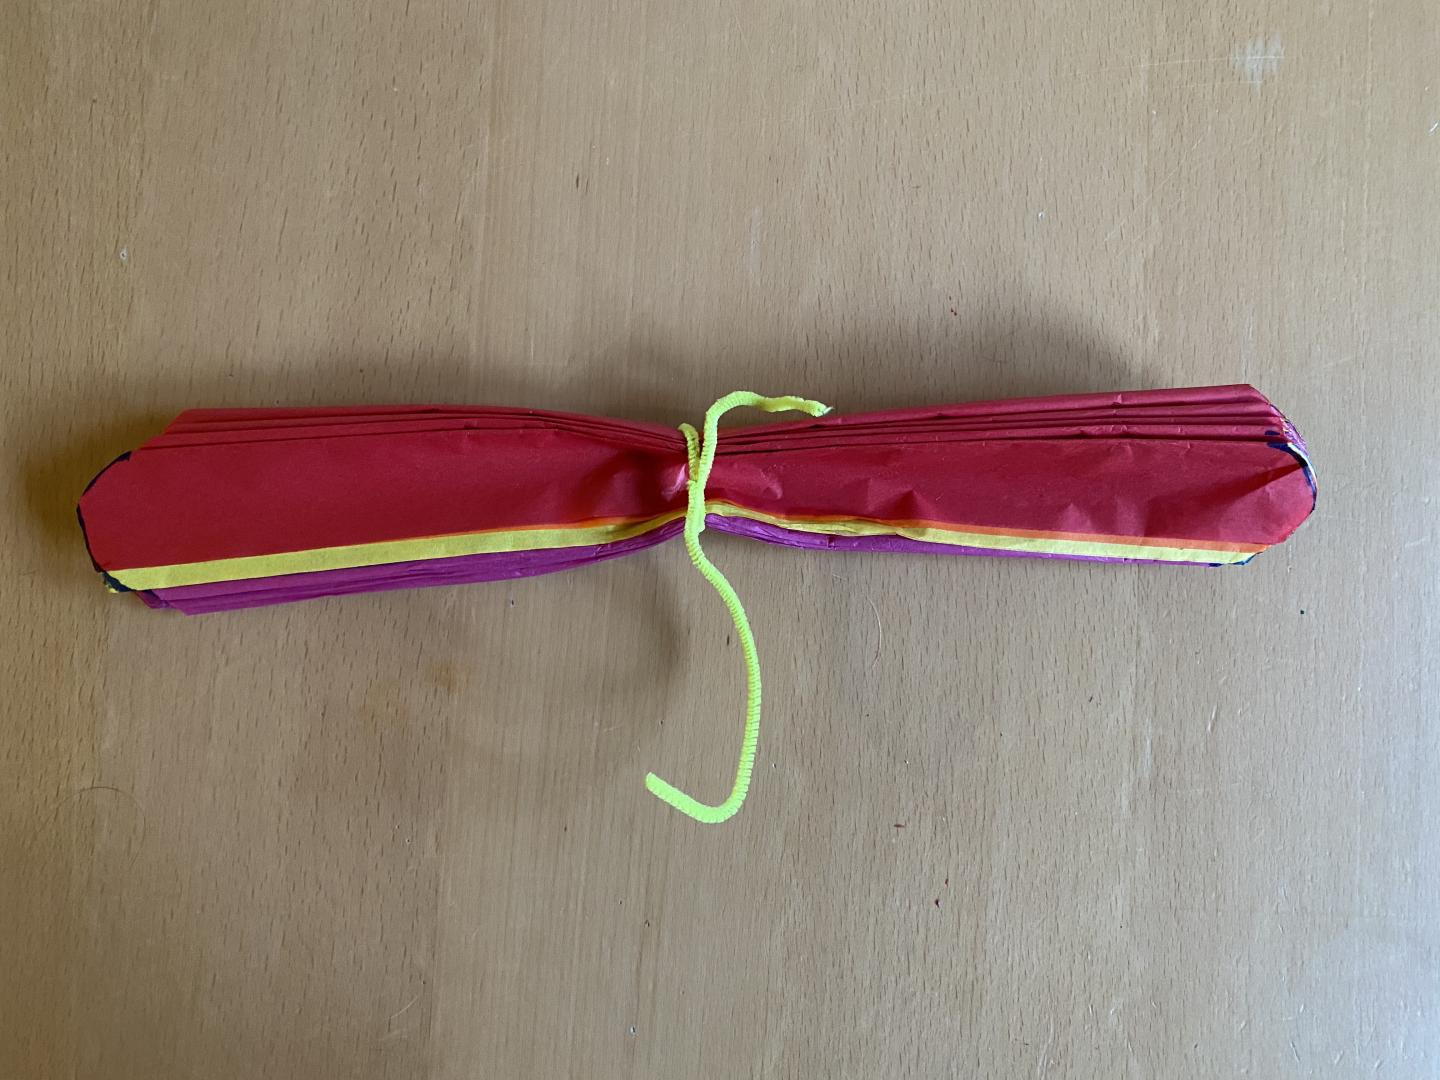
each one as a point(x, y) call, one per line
point(390, 1020)
point(1171, 175)
point(752, 253)
point(870, 103)
point(1145, 64)
point(404, 1008)
point(879, 632)
point(745, 45)
point(1043, 1064)
point(74, 795)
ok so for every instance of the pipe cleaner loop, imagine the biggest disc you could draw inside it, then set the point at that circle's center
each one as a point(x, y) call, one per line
point(700, 449)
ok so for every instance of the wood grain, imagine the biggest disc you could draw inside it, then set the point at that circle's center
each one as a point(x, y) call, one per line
point(1011, 819)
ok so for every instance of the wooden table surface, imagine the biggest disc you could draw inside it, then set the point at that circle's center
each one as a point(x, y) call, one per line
point(1012, 818)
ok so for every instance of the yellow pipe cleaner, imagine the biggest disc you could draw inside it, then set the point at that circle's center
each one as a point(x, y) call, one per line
point(701, 454)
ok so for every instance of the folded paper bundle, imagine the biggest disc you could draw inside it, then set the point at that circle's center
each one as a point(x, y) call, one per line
point(234, 508)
